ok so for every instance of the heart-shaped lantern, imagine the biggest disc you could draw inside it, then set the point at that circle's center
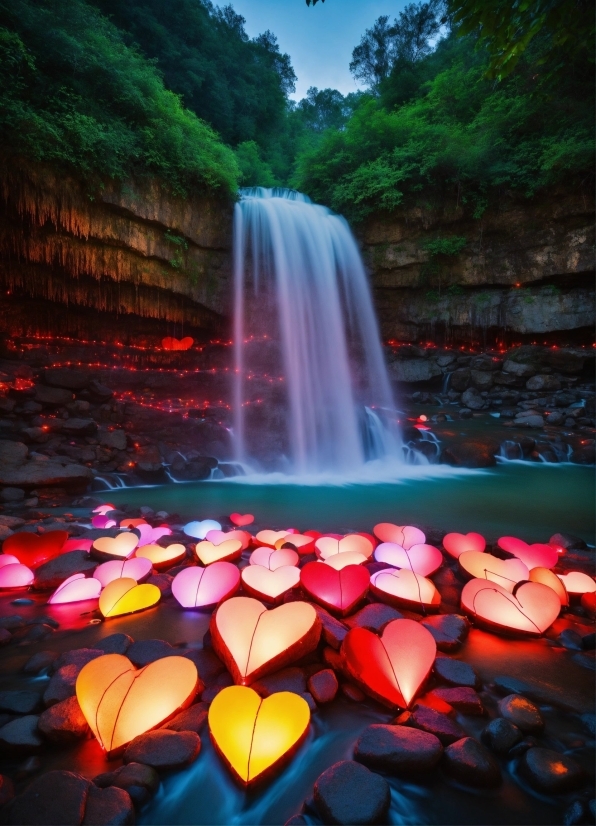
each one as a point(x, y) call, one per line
point(77, 543)
point(422, 559)
point(8, 559)
point(137, 569)
point(102, 520)
point(149, 535)
point(217, 537)
point(577, 583)
point(547, 577)
point(208, 553)
point(391, 668)
point(269, 538)
point(171, 343)
point(404, 535)
point(126, 596)
point(129, 523)
point(253, 641)
point(241, 519)
point(255, 736)
point(507, 572)
point(270, 586)
point(76, 588)
point(199, 530)
point(405, 589)
point(533, 556)
point(588, 603)
point(338, 591)
point(530, 609)
point(301, 543)
point(103, 509)
point(15, 575)
point(162, 557)
point(120, 702)
point(353, 543)
point(271, 559)
point(456, 543)
point(196, 587)
point(32, 549)
point(118, 547)
point(341, 561)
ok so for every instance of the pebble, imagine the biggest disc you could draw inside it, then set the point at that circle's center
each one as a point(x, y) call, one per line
point(500, 735)
point(334, 631)
point(397, 749)
point(64, 722)
point(348, 793)
point(442, 726)
point(19, 702)
point(462, 699)
point(208, 664)
point(77, 657)
point(521, 712)
point(332, 658)
point(5, 637)
point(449, 630)
point(143, 652)
point(523, 745)
point(163, 582)
point(12, 622)
point(575, 813)
point(456, 672)
point(352, 692)
point(323, 685)
point(114, 644)
point(288, 679)
point(140, 781)
point(56, 798)
point(163, 749)
point(22, 734)
point(52, 573)
point(191, 719)
point(108, 807)
point(39, 662)
point(469, 762)
point(61, 685)
point(222, 680)
point(551, 772)
point(374, 617)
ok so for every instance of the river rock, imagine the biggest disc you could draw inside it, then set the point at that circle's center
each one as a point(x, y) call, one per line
point(191, 719)
point(397, 749)
point(64, 722)
point(334, 631)
point(143, 652)
point(474, 453)
point(529, 419)
point(442, 726)
point(456, 672)
point(22, 734)
point(19, 702)
point(115, 439)
point(468, 761)
point(481, 379)
point(550, 772)
point(6, 790)
point(56, 798)
point(140, 781)
point(46, 474)
point(471, 398)
point(108, 807)
point(208, 664)
point(568, 541)
point(114, 644)
point(288, 679)
point(61, 685)
point(544, 382)
point(374, 616)
point(66, 378)
point(79, 427)
point(78, 657)
point(39, 662)
point(414, 370)
point(52, 396)
point(163, 749)
point(12, 455)
point(460, 379)
point(518, 369)
point(500, 735)
point(5, 637)
point(449, 630)
point(348, 793)
point(522, 713)
point(323, 685)
point(52, 573)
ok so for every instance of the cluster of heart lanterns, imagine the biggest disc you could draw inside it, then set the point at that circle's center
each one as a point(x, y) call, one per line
point(262, 631)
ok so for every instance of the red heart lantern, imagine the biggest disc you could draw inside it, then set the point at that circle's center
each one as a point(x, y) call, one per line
point(32, 549)
point(405, 589)
point(529, 610)
point(391, 668)
point(456, 543)
point(588, 603)
point(241, 519)
point(534, 556)
point(338, 591)
point(171, 343)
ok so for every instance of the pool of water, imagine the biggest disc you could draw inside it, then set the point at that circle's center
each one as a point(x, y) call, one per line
point(532, 501)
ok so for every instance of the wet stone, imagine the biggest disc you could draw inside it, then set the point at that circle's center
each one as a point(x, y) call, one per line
point(143, 652)
point(570, 639)
point(288, 679)
point(575, 813)
point(442, 726)
point(352, 692)
point(191, 719)
point(5, 637)
point(348, 793)
point(456, 673)
point(398, 749)
point(12, 622)
point(19, 702)
point(140, 781)
point(39, 662)
point(323, 685)
point(462, 698)
point(64, 722)
point(551, 772)
point(310, 700)
point(164, 749)
point(114, 644)
point(373, 617)
point(77, 657)
point(523, 745)
point(56, 798)
point(222, 680)
point(208, 664)
point(108, 807)
point(521, 712)
point(334, 631)
point(449, 630)
point(61, 685)
point(21, 734)
point(500, 735)
point(469, 762)
point(52, 573)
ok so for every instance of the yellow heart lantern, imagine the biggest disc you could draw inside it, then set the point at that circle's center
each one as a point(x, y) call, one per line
point(162, 557)
point(125, 596)
point(226, 551)
point(255, 737)
point(120, 702)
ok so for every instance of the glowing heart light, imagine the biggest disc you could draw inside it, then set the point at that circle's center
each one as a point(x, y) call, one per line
point(267, 585)
point(241, 519)
point(530, 609)
point(533, 556)
point(126, 596)
point(253, 641)
point(327, 546)
point(456, 543)
point(76, 588)
point(8, 559)
point(149, 535)
point(422, 559)
point(118, 547)
point(137, 569)
point(130, 523)
point(303, 544)
point(338, 591)
point(103, 509)
point(217, 537)
point(256, 736)
point(103, 521)
point(588, 603)
point(77, 543)
point(34, 549)
point(405, 589)
point(15, 575)
point(547, 577)
point(269, 538)
point(162, 557)
point(393, 667)
point(196, 587)
point(120, 702)
point(404, 535)
point(199, 530)
point(577, 583)
point(271, 559)
point(341, 561)
point(171, 343)
point(208, 553)
point(507, 572)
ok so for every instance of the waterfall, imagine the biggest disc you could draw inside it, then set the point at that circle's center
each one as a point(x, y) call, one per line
point(311, 391)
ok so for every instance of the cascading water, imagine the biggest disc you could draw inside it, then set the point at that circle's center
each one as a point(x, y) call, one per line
point(303, 309)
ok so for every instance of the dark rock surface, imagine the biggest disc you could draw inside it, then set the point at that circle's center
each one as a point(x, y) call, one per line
point(163, 749)
point(397, 749)
point(455, 672)
point(6, 790)
point(22, 734)
point(500, 735)
point(374, 617)
point(61, 685)
point(323, 685)
point(39, 662)
point(77, 657)
point(114, 644)
point(521, 712)
point(550, 772)
point(434, 722)
point(108, 807)
point(288, 679)
point(462, 698)
point(191, 719)
point(143, 652)
point(51, 574)
point(468, 761)
point(334, 631)
point(64, 722)
point(449, 630)
point(56, 798)
point(348, 793)
point(140, 781)
point(19, 702)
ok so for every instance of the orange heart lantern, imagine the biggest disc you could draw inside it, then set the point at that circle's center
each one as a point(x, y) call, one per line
point(171, 343)
point(404, 535)
point(255, 736)
point(405, 589)
point(391, 668)
point(456, 543)
point(208, 553)
point(253, 641)
point(303, 544)
point(530, 609)
point(534, 556)
point(267, 585)
point(269, 538)
point(161, 557)
point(354, 543)
point(507, 572)
point(126, 596)
point(547, 577)
point(120, 702)
point(34, 549)
point(271, 559)
point(119, 547)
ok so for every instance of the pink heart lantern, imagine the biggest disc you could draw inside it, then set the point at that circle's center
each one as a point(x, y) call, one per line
point(103, 509)
point(196, 587)
point(404, 588)
point(341, 561)
point(217, 537)
point(76, 588)
point(103, 521)
point(8, 559)
point(404, 535)
point(507, 572)
point(269, 538)
point(577, 583)
point(119, 547)
point(270, 586)
point(456, 543)
point(131, 522)
point(547, 577)
point(352, 543)
point(530, 609)
point(422, 559)
point(15, 576)
point(534, 556)
point(268, 558)
point(137, 569)
point(149, 535)
point(241, 519)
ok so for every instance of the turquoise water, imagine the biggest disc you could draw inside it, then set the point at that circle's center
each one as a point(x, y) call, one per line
point(532, 501)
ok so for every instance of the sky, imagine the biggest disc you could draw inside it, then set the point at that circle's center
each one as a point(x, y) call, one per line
point(319, 39)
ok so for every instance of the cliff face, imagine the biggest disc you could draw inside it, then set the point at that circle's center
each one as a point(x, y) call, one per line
point(130, 250)
point(525, 268)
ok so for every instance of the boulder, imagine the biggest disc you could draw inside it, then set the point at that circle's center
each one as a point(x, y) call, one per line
point(140, 781)
point(113, 439)
point(143, 652)
point(472, 453)
point(519, 369)
point(449, 630)
point(114, 644)
point(481, 379)
point(414, 370)
point(288, 679)
point(10, 495)
point(334, 631)
point(456, 672)
point(12, 455)
point(323, 685)
point(78, 657)
point(469, 762)
point(398, 749)
point(500, 735)
point(522, 713)
point(108, 807)
point(52, 573)
point(374, 617)
point(163, 749)
point(66, 378)
point(46, 474)
point(460, 379)
point(64, 722)
point(19, 702)
point(348, 793)
point(99, 392)
point(462, 698)
point(191, 719)
point(442, 726)
point(56, 798)
point(61, 685)
point(550, 772)
point(79, 427)
point(52, 396)
point(471, 398)
point(543, 382)
point(22, 734)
